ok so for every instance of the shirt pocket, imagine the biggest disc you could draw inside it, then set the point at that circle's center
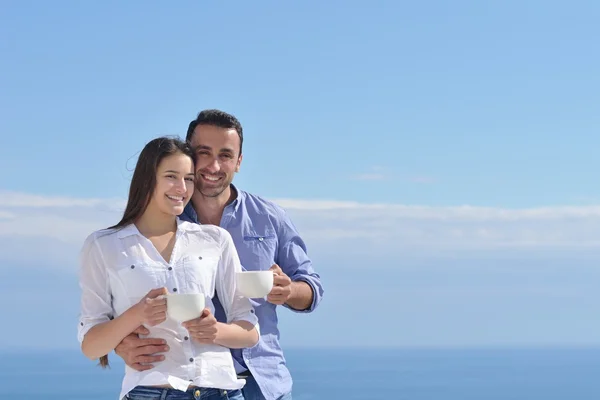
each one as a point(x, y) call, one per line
point(137, 279)
point(259, 250)
point(199, 273)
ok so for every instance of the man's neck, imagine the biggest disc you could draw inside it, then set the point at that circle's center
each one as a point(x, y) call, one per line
point(210, 209)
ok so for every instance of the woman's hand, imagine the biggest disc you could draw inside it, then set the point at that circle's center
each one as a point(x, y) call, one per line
point(203, 329)
point(152, 309)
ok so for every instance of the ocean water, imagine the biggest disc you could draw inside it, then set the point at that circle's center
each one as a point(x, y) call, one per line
point(347, 374)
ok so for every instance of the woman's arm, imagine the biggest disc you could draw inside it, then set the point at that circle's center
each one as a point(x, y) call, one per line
point(242, 328)
point(104, 337)
point(97, 333)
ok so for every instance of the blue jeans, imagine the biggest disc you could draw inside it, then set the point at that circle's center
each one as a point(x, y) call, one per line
point(251, 391)
point(154, 393)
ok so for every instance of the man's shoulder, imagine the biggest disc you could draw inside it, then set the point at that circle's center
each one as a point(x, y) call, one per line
point(261, 204)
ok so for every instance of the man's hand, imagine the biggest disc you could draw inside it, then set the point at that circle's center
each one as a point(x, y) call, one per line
point(203, 329)
point(140, 353)
point(282, 287)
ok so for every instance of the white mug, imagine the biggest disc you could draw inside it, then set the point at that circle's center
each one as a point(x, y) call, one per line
point(254, 284)
point(185, 307)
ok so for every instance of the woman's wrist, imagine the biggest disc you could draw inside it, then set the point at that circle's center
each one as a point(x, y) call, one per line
point(134, 314)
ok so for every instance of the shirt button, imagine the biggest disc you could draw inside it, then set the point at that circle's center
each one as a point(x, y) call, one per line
point(174, 289)
point(170, 268)
point(191, 360)
point(133, 266)
point(186, 338)
point(81, 323)
point(252, 311)
point(199, 257)
point(260, 239)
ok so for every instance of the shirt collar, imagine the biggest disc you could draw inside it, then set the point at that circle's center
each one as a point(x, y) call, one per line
point(190, 213)
point(131, 229)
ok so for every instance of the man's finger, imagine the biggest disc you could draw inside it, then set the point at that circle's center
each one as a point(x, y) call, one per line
point(139, 367)
point(281, 280)
point(277, 291)
point(275, 268)
point(149, 359)
point(138, 343)
point(149, 350)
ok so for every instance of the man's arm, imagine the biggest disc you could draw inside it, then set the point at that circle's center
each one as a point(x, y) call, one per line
point(297, 295)
point(296, 284)
point(140, 353)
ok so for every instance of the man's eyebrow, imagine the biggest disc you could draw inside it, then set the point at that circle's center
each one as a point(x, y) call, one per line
point(202, 147)
point(222, 150)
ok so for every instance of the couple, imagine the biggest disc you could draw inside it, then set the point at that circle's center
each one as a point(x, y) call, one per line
point(187, 229)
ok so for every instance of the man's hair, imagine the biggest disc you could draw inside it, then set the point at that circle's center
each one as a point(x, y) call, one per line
point(217, 118)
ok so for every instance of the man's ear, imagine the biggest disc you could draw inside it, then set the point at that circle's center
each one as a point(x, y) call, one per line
point(239, 162)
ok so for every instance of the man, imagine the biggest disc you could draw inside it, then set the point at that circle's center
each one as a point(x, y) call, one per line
point(265, 238)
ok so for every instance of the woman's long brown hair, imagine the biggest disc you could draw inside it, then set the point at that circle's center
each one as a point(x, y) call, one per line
point(143, 183)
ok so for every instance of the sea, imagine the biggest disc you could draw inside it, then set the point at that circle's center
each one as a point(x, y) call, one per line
point(347, 374)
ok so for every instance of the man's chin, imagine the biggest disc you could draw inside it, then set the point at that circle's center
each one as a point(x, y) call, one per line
point(211, 192)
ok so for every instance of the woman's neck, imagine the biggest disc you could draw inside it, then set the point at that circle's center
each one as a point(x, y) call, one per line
point(156, 223)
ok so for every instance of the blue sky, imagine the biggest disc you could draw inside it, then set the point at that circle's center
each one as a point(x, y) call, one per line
point(440, 158)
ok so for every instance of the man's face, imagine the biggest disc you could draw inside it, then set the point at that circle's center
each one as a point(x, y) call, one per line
point(218, 158)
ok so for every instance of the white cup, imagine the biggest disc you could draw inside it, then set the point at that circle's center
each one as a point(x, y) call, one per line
point(254, 284)
point(185, 307)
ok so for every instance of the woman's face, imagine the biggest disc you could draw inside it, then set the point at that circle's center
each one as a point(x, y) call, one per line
point(174, 184)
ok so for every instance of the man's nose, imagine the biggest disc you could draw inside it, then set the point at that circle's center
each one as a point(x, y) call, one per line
point(213, 166)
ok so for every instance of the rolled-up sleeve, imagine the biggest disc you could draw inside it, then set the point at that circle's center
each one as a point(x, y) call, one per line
point(292, 258)
point(236, 306)
point(96, 304)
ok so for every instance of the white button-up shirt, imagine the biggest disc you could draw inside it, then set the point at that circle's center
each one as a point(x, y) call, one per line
point(119, 267)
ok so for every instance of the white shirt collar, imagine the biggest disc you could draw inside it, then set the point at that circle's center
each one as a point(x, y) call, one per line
point(131, 229)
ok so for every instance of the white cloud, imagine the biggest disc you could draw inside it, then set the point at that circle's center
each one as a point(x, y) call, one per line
point(58, 225)
point(18, 200)
point(7, 215)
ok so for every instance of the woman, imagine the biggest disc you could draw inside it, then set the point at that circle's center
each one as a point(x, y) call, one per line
point(128, 268)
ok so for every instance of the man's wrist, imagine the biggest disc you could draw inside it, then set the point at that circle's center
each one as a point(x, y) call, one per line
point(294, 290)
point(297, 299)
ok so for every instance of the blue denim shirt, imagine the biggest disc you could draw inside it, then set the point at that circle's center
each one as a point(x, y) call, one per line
point(264, 235)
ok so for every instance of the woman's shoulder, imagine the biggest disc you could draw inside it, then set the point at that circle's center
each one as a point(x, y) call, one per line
point(207, 231)
point(100, 236)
